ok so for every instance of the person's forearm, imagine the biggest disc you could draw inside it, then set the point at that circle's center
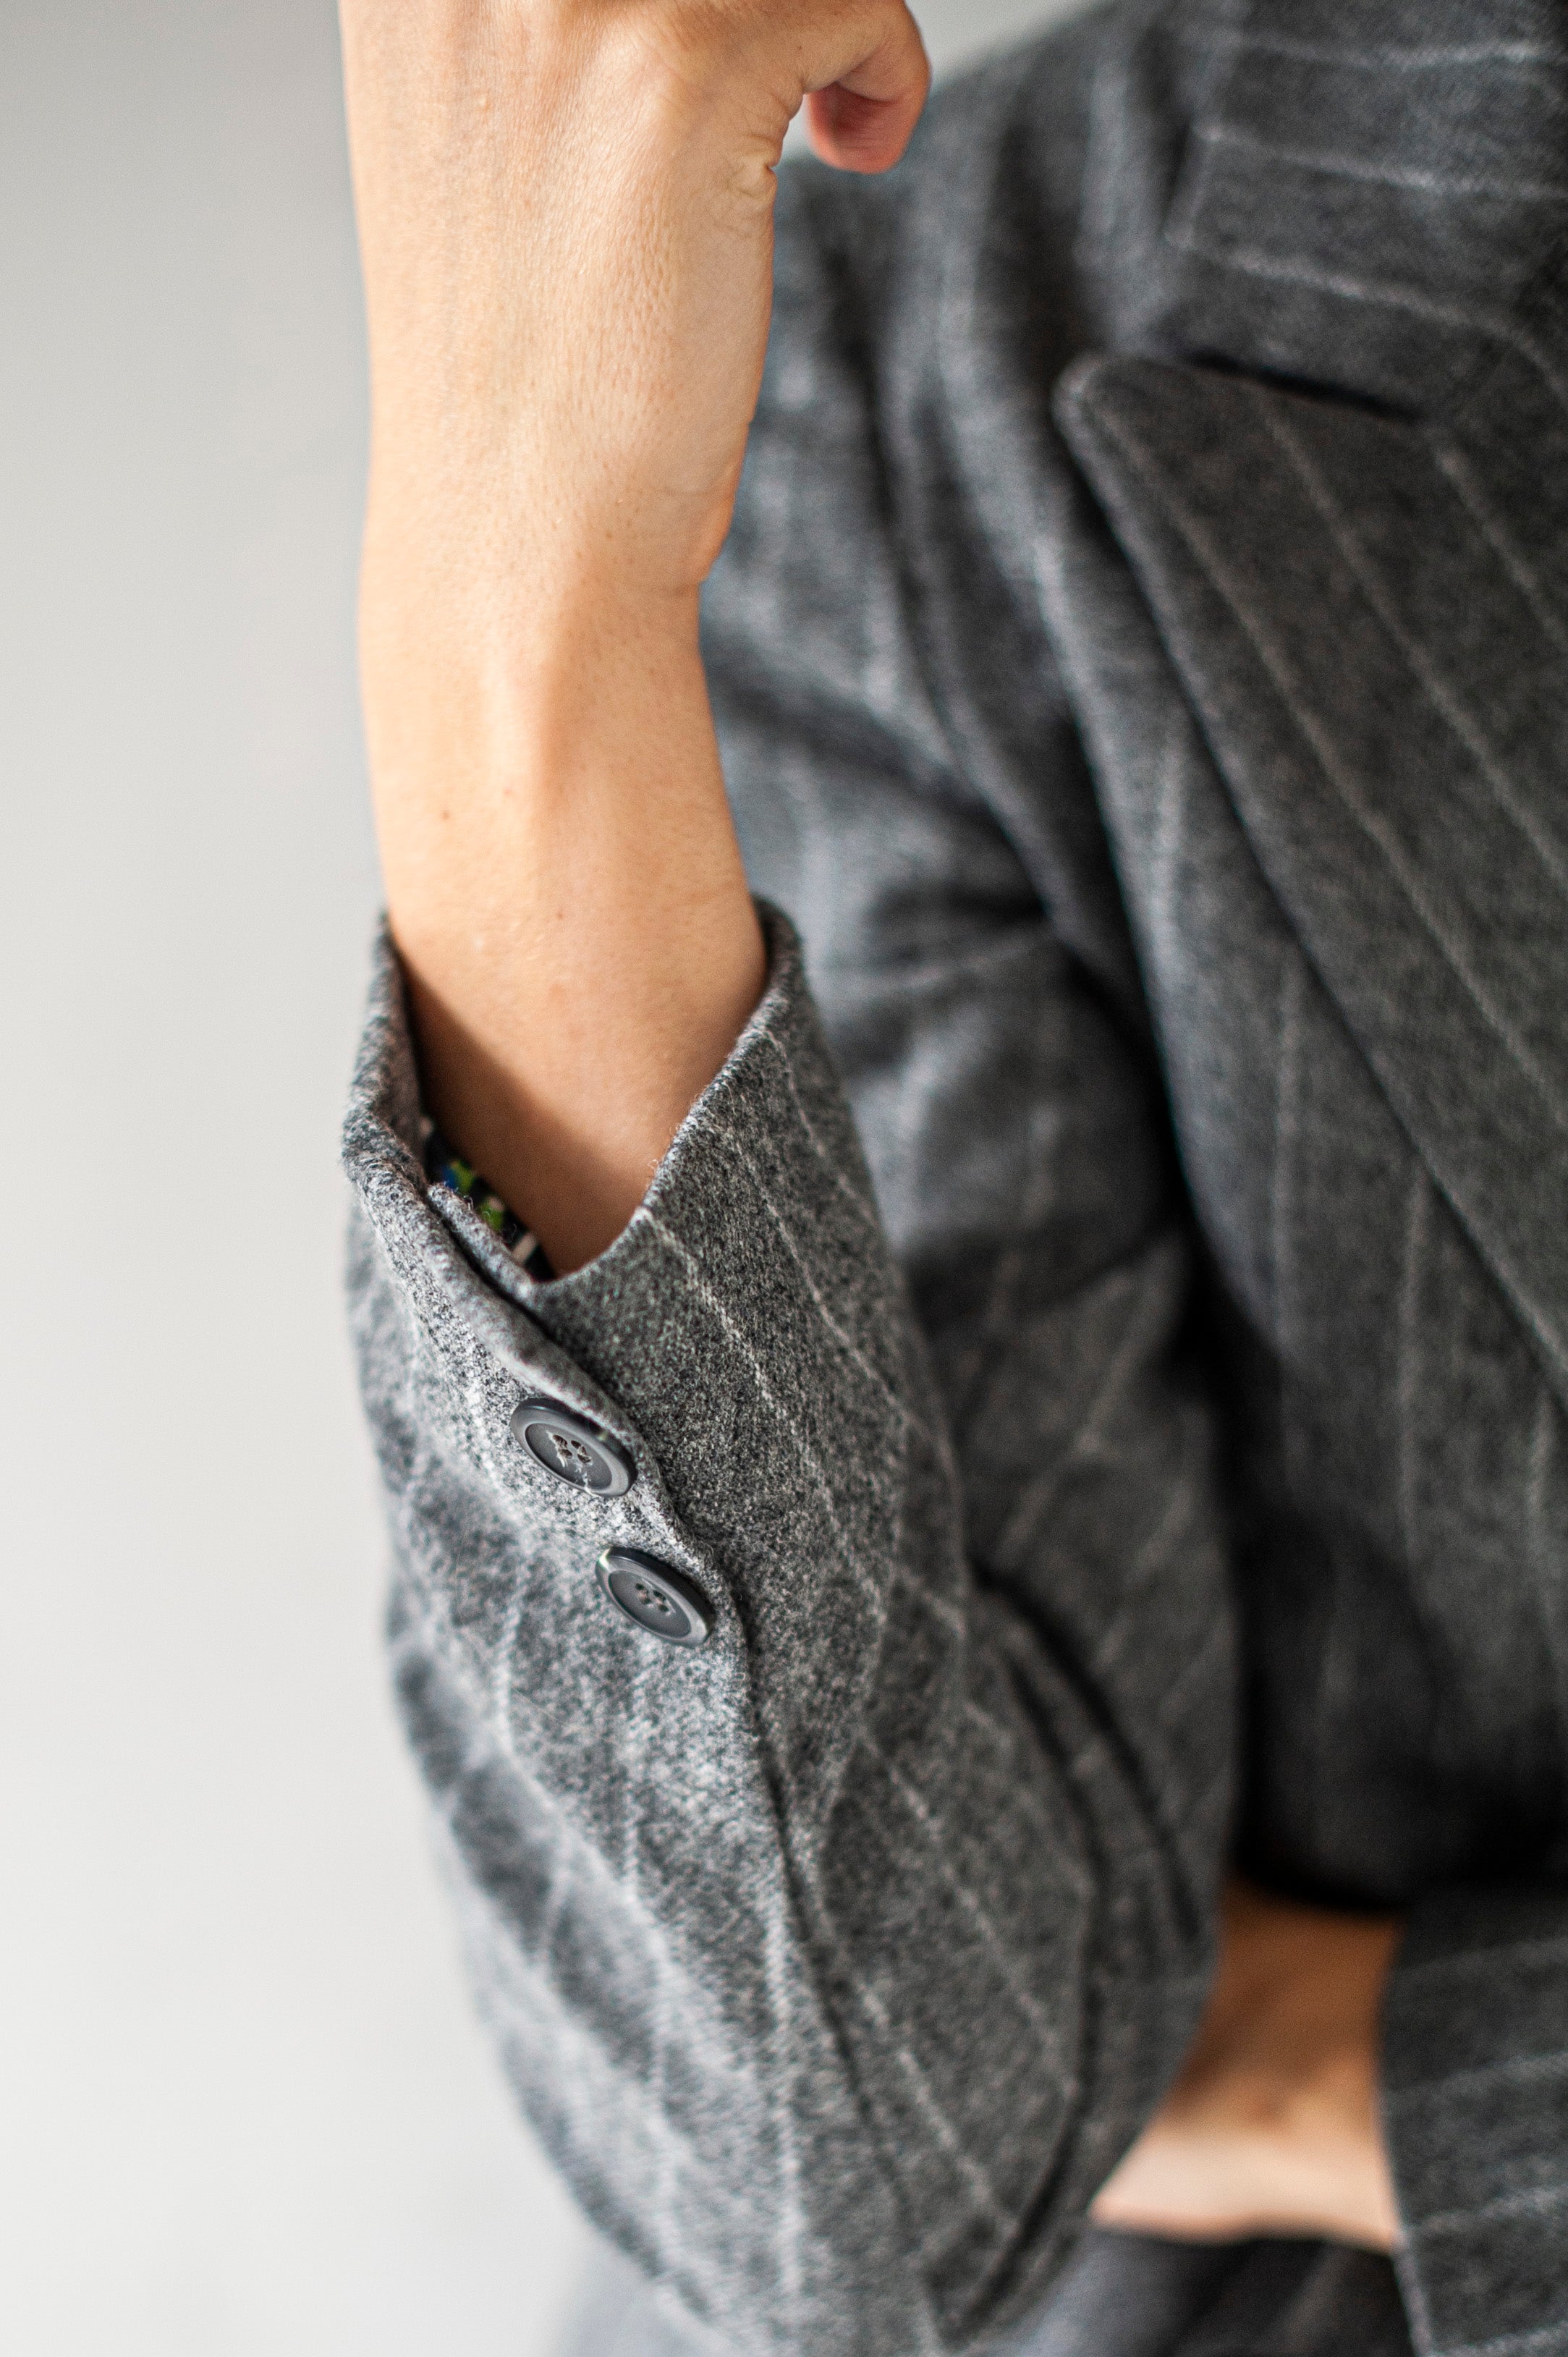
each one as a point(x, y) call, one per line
point(566, 224)
point(567, 899)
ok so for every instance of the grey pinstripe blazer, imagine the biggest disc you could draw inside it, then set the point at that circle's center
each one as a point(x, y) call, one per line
point(1101, 1342)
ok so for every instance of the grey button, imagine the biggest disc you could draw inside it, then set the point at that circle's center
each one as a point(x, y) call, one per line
point(571, 1449)
point(664, 1602)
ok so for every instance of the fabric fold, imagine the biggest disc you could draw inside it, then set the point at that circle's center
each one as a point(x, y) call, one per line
point(835, 1958)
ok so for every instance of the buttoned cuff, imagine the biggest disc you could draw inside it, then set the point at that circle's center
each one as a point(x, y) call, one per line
point(752, 1329)
point(1475, 2095)
point(729, 1407)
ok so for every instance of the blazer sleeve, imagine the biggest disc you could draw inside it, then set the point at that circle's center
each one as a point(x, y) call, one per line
point(1475, 2072)
point(836, 1959)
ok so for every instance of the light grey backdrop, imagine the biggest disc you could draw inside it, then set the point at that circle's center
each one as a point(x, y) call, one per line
point(244, 2111)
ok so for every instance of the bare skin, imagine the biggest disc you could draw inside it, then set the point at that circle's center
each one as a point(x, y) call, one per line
point(566, 217)
point(566, 220)
point(1272, 2125)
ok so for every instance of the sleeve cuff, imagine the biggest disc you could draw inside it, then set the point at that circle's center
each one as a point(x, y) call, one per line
point(387, 1134)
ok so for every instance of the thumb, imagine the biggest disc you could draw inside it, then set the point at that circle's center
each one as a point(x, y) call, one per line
point(864, 120)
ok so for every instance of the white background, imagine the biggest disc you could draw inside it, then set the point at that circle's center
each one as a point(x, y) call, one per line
point(243, 2111)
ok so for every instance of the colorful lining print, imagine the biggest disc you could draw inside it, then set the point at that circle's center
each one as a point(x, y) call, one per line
point(445, 1168)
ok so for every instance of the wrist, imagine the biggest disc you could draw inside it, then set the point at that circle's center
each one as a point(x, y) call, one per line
point(1272, 2123)
point(544, 500)
point(490, 693)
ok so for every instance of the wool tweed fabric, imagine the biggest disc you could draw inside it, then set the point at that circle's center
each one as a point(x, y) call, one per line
point(1120, 2294)
point(1101, 1341)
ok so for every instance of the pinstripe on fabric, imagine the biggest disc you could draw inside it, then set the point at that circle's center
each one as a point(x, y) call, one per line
point(1102, 1340)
